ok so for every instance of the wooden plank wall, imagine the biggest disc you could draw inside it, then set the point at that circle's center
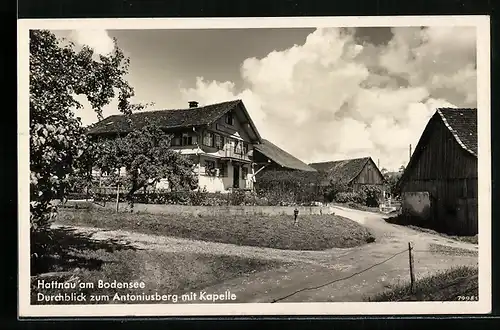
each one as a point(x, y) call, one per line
point(449, 174)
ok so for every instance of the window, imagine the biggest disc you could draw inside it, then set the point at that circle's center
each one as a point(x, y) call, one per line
point(209, 167)
point(187, 140)
point(223, 169)
point(245, 148)
point(229, 144)
point(244, 172)
point(238, 147)
point(219, 141)
point(176, 140)
point(229, 118)
point(208, 139)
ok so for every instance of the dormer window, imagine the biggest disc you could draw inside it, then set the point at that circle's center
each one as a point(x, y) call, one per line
point(229, 118)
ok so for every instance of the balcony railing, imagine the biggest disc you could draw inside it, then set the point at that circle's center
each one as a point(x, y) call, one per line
point(231, 152)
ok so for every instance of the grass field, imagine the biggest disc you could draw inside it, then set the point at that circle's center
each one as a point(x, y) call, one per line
point(88, 261)
point(314, 232)
point(455, 284)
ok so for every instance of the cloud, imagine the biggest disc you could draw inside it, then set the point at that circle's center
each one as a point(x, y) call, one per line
point(334, 98)
point(98, 40)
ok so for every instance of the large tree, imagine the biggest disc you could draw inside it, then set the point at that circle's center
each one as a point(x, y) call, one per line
point(58, 72)
point(146, 157)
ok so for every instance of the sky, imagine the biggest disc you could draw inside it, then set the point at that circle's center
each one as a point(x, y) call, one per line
point(321, 94)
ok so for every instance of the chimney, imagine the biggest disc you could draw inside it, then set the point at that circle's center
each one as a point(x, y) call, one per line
point(193, 104)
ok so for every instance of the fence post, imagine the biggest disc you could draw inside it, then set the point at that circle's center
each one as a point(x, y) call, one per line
point(412, 270)
point(117, 196)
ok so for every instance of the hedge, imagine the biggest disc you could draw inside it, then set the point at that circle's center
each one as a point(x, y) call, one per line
point(194, 198)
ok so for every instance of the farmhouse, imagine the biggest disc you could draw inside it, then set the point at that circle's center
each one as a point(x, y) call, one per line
point(356, 172)
point(439, 185)
point(267, 157)
point(221, 139)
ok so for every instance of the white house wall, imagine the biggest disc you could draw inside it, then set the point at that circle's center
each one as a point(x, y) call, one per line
point(215, 183)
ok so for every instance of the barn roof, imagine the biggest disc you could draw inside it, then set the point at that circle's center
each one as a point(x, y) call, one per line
point(462, 123)
point(342, 170)
point(281, 157)
point(168, 118)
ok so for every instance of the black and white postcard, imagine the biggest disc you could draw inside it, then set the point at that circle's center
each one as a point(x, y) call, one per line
point(254, 166)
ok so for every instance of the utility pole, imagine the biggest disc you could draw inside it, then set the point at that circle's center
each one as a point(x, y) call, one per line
point(409, 154)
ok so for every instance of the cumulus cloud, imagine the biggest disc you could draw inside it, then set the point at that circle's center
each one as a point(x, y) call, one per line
point(334, 97)
point(98, 40)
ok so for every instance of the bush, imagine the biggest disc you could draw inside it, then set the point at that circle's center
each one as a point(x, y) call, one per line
point(290, 187)
point(351, 197)
point(194, 198)
point(372, 194)
point(333, 189)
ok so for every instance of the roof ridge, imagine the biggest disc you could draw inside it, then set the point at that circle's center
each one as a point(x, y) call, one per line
point(178, 109)
point(341, 160)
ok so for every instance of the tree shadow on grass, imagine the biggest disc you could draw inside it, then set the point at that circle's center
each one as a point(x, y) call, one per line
point(66, 250)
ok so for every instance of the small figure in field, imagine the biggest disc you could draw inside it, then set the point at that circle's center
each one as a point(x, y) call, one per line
point(295, 215)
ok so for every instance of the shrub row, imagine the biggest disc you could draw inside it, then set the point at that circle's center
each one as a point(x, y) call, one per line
point(306, 187)
point(193, 198)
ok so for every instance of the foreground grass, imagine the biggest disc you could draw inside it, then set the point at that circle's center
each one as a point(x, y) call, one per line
point(455, 284)
point(162, 273)
point(314, 232)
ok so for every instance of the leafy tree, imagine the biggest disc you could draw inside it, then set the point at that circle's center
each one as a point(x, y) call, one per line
point(392, 179)
point(57, 74)
point(147, 157)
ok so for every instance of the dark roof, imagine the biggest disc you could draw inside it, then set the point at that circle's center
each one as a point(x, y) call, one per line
point(342, 170)
point(167, 119)
point(462, 123)
point(281, 157)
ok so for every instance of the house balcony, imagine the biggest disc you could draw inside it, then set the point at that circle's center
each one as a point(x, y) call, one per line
point(237, 154)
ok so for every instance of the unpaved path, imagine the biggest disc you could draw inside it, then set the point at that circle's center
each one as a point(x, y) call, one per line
point(364, 268)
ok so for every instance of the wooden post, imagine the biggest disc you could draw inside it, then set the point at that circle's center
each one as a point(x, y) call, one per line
point(117, 196)
point(118, 192)
point(412, 269)
point(295, 215)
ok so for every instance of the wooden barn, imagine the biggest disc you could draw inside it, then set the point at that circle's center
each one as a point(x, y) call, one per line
point(356, 172)
point(439, 185)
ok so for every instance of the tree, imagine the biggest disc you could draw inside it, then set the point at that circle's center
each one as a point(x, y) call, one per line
point(147, 157)
point(57, 74)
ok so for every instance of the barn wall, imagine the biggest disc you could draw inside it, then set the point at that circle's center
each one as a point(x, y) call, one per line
point(449, 174)
point(369, 175)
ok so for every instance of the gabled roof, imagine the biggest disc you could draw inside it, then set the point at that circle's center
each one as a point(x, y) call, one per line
point(169, 118)
point(281, 157)
point(343, 170)
point(462, 123)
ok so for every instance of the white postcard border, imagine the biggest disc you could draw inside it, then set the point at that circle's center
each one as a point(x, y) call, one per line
point(482, 24)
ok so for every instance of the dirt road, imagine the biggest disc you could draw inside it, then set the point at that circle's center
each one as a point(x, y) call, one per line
point(359, 271)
